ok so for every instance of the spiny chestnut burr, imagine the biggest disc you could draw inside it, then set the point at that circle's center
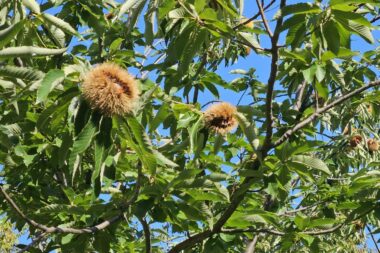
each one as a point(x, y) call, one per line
point(110, 89)
point(220, 118)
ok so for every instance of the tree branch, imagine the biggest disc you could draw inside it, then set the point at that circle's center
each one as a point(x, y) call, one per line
point(251, 230)
point(271, 81)
point(252, 245)
point(279, 233)
point(69, 230)
point(34, 242)
point(299, 96)
point(327, 107)
point(255, 16)
point(145, 225)
point(373, 239)
point(265, 21)
point(373, 21)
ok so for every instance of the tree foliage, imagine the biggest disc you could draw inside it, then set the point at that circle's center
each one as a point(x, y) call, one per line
point(299, 173)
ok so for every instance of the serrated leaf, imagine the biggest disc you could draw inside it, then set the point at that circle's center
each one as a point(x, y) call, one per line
point(309, 73)
point(248, 130)
point(32, 5)
point(335, 2)
point(149, 23)
point(250, 39)
point(312, 162)
point(301, 222)
point(29, 51)
point(81, 143)
point(323, 222)
point(61, 24)
point(10, 33)
point(28, 74)
point(57, 34)
point(138, 140)
point(194, 138)
point(51, 80)
point(300, 8)
point(163, 160)
point(48, 117)
point(127, 5)
point(228, 7)
point(102, 143)
point(161, 115)
point(193, 44)
point(354, 25)
point(177, 13)
point(332, 37)
point(320, 73)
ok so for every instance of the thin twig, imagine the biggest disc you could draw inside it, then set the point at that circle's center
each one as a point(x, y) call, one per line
point(271, 81)
point(375, 19)
point(265, 21)
point(318, 112)
point(34, 242)
point(299, 96)
point(301, 208)
point(373, 239)
point(145, 225)
point(252, 245)
point(254, 17)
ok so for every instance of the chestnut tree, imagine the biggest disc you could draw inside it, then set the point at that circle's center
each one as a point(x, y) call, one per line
point(124, 130)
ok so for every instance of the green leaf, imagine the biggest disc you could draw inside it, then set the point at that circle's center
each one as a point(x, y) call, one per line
point(354, 25)
point(161, 115)
point(149, 22)
point(29, 51)
point(32, 5)
point(309, 73)
point(249, 130)
point(320, 73)
point(322, 222)
point(346, 2)
point(55, 113)
point(81, 143)
point(138, 140)
point(57, 34)
point(355, 17)
point(323, 91)
point(178, 13)
point(250, 39)
point(51, 80)
point(67, 142)
point(163, 160)
point(102, 144)
point(300, 8)
point(127, 5)
point(228, 7)
point(331, 34)
point(28, 74)
point(312, 162)
point(302, 222)
point(193, 44)
point(10, 33)
point(197, 137)
point(61, 24)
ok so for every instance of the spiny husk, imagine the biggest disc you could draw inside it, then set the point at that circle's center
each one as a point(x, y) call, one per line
point(220, 118)
point(110, 89)
point(355, 140)
point(373, 145)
